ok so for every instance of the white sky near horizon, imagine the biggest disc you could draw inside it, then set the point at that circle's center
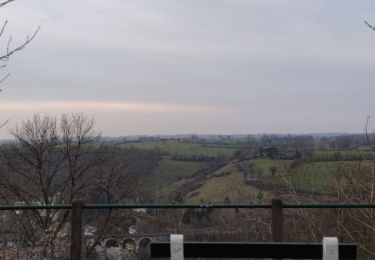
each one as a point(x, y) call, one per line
point(209, 67)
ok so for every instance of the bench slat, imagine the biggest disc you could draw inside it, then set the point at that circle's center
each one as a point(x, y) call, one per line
point(252, 250)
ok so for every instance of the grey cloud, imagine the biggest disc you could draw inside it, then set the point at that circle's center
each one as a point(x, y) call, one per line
point(285, 58)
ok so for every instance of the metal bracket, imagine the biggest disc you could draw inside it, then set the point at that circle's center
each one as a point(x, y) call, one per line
point(330, 248)
point(177, 247)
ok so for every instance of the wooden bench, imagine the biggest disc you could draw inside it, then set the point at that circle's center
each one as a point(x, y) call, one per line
point(177, 249)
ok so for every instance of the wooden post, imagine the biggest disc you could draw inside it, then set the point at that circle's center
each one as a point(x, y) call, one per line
point(144, 249)
point(277, 220)
point(77, 225)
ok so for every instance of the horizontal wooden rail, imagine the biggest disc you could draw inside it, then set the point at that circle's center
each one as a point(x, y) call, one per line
point(189, 206)
point(251, 250)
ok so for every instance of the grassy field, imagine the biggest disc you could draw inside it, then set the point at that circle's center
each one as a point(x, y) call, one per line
point(348, 154)
point(230, 185)
point(321, 176)
point(264, 164)
point(309, 176)
point(228, 181)
point(184, 148)
point(170, 171)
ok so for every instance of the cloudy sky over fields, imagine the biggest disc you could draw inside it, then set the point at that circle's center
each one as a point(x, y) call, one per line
point(166, 66)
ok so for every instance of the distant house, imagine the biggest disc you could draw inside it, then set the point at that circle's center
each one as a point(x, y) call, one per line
point(19, 203)
point(89, 230)
point(132, 230)
point(140, 211)
point(173, 141)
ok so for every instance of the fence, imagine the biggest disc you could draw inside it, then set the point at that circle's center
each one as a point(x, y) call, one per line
point(78, 208)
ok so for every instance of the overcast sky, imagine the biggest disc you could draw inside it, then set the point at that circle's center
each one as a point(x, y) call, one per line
point(168, 66)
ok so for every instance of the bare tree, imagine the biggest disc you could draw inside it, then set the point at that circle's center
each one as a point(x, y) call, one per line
point(350, 182)
point(55, 162)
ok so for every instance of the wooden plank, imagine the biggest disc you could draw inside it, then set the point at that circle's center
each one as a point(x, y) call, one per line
point(252, 250)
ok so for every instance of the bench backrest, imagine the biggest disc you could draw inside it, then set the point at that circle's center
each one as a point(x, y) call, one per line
point(252, 250)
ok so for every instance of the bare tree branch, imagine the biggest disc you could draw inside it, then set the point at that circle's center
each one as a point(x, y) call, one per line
point(10, 51)
point(3, 28)
point(4, 78)
point(369, 25)
point(5, 2)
